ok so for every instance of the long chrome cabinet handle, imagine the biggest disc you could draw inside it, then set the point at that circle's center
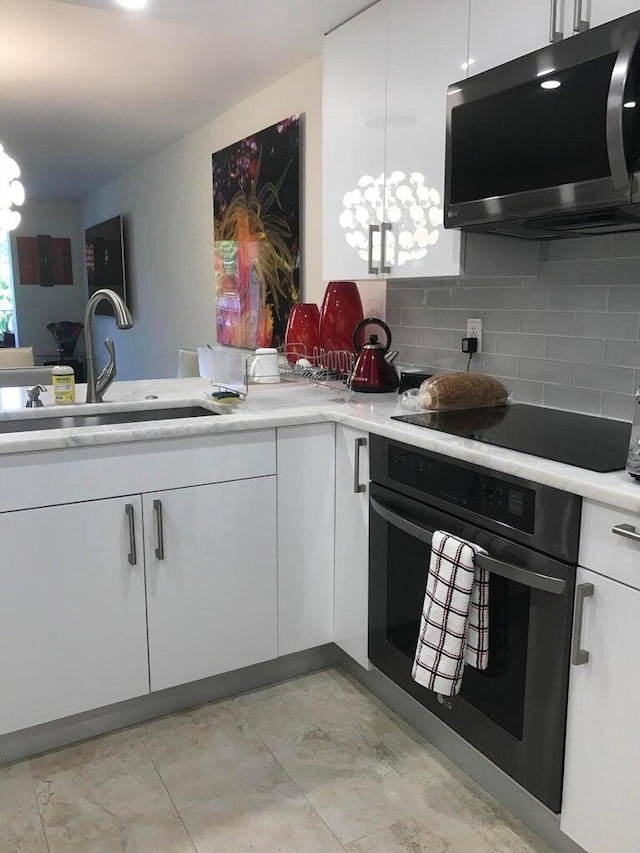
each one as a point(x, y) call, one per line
point(386, 227)
point(535, 580)
point(372, 230)
point(358, 487)
point(554, 34)
point(615, 111)
point(578, 655)
point(626, 530)
point(157, 508)
point(133, 554)
point(580, 25)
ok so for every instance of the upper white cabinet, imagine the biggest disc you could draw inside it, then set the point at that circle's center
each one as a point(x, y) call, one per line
point(501, 30)
point(211, 579)
point(72, 610)
point(601, 800)
point(353, 132)
point(386, 75)
point(595, 12)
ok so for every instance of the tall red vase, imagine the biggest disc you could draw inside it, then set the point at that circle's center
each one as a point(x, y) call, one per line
point(303, 331)
point(340, 313)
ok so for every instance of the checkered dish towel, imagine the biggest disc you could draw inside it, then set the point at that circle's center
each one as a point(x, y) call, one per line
point(455, 617)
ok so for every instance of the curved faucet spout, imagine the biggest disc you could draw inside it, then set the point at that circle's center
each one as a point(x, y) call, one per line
point(96, 386)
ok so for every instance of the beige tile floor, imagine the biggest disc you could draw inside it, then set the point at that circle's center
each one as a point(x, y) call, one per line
point(313, 765)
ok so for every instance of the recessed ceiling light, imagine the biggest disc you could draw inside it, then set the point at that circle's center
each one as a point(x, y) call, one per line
point(550, 84)
point(132, 4)
point(630, 105)
point(468, 64)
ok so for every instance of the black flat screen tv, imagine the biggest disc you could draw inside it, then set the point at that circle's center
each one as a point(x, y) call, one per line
point(105, 256)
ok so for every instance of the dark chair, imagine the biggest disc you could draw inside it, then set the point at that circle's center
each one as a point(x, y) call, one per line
point(8, 340)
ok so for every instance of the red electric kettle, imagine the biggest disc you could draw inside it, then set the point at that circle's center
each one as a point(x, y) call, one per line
point(372, 373)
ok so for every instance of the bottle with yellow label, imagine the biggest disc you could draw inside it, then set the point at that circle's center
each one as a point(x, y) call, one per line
point(64, 385)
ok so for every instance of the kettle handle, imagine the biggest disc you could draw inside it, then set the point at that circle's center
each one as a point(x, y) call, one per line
point(371, 321)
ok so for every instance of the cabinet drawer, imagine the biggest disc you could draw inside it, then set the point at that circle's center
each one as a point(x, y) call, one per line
point(77, 474)
point(610, 554)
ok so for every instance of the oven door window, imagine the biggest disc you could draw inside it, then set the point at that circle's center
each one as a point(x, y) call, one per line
point(498, 691)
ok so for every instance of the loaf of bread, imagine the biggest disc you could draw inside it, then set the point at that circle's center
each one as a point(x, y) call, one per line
point(462, 391)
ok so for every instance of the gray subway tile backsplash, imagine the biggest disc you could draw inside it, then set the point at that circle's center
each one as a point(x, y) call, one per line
point(588, 350)
point(580, 298)
point(515, 343)
point(545, 370)
point(561, 319)
point(622, 353)
point(548, 322)
point(610, 326)
point(574, 399)
point(603, 377)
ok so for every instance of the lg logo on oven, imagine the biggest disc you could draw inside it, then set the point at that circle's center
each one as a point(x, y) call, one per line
point(444, 701)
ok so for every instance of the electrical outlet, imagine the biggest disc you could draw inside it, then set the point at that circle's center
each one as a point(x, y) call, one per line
point(474, 330)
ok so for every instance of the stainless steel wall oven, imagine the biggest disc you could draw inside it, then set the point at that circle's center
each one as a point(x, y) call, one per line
point(515, 711)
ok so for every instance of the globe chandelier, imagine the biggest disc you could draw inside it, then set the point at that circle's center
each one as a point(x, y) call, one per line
point(11, 192)
point(407, 202)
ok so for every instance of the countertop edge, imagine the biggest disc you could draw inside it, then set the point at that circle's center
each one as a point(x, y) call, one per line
point(367, 415)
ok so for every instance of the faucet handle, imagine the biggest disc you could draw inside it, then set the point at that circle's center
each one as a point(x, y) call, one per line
point(34, 401)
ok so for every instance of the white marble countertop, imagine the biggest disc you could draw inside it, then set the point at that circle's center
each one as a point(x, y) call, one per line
point(281, 405)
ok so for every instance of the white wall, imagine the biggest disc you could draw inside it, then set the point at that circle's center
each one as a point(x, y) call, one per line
point(36, 306)
point(168, 203)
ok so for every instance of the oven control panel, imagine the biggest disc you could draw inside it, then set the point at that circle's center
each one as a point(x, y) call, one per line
point(461, 486)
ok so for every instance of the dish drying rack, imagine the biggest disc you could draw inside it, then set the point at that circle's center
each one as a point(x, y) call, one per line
point(323, 368)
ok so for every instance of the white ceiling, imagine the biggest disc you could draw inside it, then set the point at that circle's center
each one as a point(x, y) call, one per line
point(89, 89)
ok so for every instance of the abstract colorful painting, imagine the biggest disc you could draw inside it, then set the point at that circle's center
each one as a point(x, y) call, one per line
point(256, 215)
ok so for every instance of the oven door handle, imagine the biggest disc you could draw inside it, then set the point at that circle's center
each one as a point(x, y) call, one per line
point(535, 580)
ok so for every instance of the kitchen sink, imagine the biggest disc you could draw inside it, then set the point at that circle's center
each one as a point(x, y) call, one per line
point(103, 419)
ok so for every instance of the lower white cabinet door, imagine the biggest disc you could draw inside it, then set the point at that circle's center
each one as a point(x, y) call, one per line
point(72, 610)
point(211, 579)
point(601, 800)
point(351, 596)
point(306, 468)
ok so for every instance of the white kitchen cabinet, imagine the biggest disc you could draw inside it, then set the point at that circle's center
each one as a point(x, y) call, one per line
point(601, 800)
point(501, 30)
point(596, 12)
point(426, 52)
point(72, 610)
point(353, 138)
point(306, 494)
point(386, 74)
point(211, 579)
point(351, 599)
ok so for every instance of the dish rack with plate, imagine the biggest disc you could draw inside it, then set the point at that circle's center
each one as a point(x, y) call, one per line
point(231, 371)
point(321, 367)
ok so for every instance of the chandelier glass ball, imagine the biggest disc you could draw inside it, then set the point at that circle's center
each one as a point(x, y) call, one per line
point(11, 192)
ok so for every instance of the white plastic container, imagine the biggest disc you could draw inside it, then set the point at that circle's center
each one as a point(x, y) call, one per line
point(64, 385)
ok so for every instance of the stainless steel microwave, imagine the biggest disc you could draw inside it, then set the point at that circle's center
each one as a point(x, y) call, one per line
point(548, 145)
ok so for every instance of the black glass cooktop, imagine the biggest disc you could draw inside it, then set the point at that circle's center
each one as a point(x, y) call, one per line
point(598, 444)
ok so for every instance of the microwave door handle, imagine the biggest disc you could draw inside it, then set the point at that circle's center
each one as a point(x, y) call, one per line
point(535, 580)
point(615, 107)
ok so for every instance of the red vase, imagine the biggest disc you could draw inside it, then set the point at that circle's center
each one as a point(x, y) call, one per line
point(340, 313)
point(302, 336)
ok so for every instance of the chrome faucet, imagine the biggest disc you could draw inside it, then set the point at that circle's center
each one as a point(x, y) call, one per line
point(96, 387)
